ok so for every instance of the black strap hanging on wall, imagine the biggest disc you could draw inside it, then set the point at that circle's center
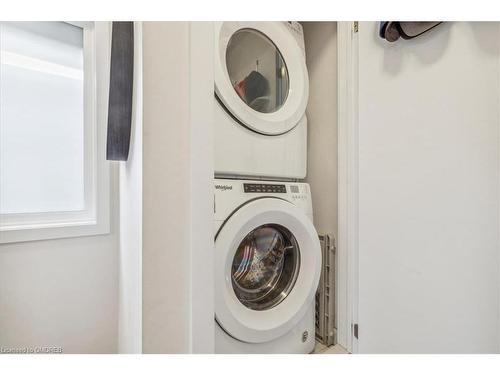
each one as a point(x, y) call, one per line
point(120, 91)
point(392, 31)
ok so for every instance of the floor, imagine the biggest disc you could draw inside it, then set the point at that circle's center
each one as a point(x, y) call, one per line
point(335, 349)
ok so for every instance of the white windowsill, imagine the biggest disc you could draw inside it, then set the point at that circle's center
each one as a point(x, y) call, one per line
point(59, 230)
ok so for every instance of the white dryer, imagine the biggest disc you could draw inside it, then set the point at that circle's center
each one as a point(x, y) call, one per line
point(261, 93)
point(267, 267)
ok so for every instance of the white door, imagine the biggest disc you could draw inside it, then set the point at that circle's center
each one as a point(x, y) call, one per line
point(268, 262)
point(260, 75)
point(429, 190)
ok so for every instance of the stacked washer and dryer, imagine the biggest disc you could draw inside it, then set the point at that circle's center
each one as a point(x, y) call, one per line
point(267, 252)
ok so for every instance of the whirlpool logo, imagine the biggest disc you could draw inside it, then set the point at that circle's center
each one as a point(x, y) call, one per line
point(223, 187)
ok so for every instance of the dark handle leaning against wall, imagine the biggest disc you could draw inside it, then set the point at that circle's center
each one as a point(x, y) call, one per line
point(392, 31)
point(120, 91)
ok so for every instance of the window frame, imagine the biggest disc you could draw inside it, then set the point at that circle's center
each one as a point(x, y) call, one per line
point(94, 219)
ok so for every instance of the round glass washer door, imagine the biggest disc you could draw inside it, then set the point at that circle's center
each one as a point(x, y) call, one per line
point(260, 75)
point(265, 267)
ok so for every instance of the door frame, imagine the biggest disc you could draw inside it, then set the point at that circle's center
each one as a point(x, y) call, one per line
point(197, 336)
point(347, 241)
point(177, 188)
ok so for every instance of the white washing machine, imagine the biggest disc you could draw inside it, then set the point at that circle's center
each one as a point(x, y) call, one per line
point(261, 94)
point(267, 267)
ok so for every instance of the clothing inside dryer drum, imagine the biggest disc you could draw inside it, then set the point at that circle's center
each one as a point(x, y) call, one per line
point(265, 267)
point(257, 70)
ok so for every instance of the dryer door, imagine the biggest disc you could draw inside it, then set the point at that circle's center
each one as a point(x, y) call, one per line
point(261, 75)
point(268, 262)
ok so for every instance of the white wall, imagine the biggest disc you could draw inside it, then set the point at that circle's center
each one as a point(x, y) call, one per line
point(322, 112)
point(64, 292)
point(321, 57)
point(61, 292)
point(178, 311)
point(130, 258)
point(429, 191)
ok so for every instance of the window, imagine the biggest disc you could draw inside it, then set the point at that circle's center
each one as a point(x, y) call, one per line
point(54, 179)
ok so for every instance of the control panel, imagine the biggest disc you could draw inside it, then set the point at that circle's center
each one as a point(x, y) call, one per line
point(264, 188)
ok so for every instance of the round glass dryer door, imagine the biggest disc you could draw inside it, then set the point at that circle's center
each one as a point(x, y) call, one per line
point(257, 70)
point(265, 267)
point(260, 75)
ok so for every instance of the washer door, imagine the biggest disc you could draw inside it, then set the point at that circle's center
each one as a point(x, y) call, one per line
point(268, 262)
point(261, 75)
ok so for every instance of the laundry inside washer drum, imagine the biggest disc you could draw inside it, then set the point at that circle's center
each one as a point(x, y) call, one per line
point(265, 267)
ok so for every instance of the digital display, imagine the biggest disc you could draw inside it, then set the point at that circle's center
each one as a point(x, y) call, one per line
point(264, 188)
